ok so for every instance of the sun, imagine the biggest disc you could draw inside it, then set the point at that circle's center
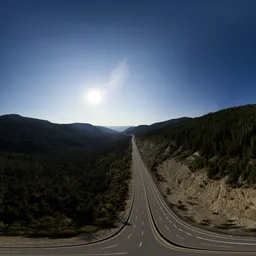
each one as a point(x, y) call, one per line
point(93, 96)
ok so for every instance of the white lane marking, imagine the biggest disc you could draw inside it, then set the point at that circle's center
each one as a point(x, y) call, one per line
point(166, 227)
point(10, 252)
point(140, 244)
point(170, 221)
point(142, 233)
point(142, 223)
point(110, 239)
point(157, 196)
point(214, 245)
point(101, 254)
point(180, 229)
point(129, 236)
point(111, 246)
point(85, 254)
point(142, 212)
point(174, 225)
point(167, 218)
point(134, 226)
point(188, 234)
point(179, 236)
point(224, 242)
point(160, 218)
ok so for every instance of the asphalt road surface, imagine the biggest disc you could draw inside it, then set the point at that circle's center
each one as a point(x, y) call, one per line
point(152, 229)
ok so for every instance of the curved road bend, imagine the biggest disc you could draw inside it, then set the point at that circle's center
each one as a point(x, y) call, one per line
point(182, 233)
point(140, 236)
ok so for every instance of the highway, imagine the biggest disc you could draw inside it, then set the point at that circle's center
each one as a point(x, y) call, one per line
point(153, 229)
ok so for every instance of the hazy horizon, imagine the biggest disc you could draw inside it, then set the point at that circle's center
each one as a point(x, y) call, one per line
point(124, 64)
point(111, 126)
point(107, 126)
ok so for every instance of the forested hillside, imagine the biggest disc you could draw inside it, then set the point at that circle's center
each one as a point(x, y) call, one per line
point(29, 135)
point(149, 128)
point(63, 193)
point(225, 142)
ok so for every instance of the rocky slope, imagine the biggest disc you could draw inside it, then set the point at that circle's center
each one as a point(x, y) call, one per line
point(203, 201)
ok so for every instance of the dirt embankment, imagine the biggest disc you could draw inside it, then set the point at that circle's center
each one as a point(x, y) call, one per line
point(208, 203)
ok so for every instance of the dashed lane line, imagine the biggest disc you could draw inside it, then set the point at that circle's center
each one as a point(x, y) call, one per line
point(214, 245)
point(93, 254)
point(111, 246)
point(225, 242)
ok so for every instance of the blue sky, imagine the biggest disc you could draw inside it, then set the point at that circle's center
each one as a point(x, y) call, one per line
point(151, 60)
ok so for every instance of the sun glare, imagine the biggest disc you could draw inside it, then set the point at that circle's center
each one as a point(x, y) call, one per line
point(93, 96)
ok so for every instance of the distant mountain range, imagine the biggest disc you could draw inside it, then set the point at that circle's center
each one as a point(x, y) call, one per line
point(23, 134)
point(30, 135)
point(118, 128)
point(89, 128)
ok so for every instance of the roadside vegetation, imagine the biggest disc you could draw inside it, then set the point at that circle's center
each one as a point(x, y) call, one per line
point(221, 143)
point(64, 193)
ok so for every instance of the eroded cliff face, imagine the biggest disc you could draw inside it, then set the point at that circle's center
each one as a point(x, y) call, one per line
point(210, 203)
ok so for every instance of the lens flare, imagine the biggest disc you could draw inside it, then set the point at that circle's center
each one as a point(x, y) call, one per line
point(94, 96)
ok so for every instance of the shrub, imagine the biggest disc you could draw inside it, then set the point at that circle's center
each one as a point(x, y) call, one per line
point(88, 229)
point(250, 230)
point(15, 233)
point(107, 222)
point(182, 207)
point(66, 233)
